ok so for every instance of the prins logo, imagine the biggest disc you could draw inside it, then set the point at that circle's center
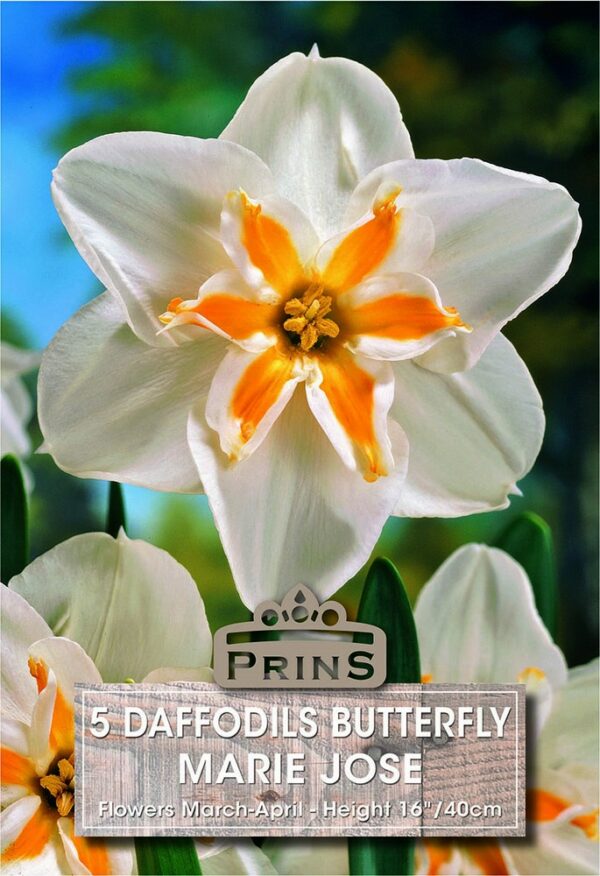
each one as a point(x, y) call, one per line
point(335, 653)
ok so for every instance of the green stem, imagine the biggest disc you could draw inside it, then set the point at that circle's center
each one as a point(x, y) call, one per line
point(14, 537)
point(115, 517)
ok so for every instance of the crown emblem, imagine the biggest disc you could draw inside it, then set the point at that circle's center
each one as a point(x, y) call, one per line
point(335, 653)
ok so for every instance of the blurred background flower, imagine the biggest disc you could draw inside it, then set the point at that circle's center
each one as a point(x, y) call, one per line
point(512, 83)
point(17, 407)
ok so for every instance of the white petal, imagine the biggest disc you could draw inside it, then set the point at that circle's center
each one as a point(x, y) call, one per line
point(11, 793)
point(15, 737)
point(502, 239)
point(50, 862)
point(477, 622)
point(242, 858)
point(471, 435)
point(570, 735)
point(53, 732)
point(575, 783)
point(18, 398)
point(112, 596)
point(14, 361)
point(269, 376)
point(384, 346)
point(302, 236)
point(111, 407)
point(21, 626)
point(41, 752)
point(17, 406)
point(15, 817)
point(16, 409)
point(375, 456)
point(120, 853)
point(76, 867)
point(321, 857)
point(320, 124)
point(68, 661)
point(327, 518)
point(554, 850)
point(144, 211)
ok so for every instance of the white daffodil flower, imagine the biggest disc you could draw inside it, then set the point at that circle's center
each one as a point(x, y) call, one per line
point(17, 406)
point(92, 609)
point(477, 622)
point(305, 246)
point(563, 801)
point(300, 857)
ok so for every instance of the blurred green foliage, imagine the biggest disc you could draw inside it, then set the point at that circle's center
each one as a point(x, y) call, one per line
point(60, 505)
point(14, 520)
point(512, 83)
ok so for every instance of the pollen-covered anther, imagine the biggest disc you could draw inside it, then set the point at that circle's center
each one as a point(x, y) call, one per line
point(296, 324)
point(307, 317)
point(65, 803)
point(62, 786)
point(53, 784)
point(387, 202)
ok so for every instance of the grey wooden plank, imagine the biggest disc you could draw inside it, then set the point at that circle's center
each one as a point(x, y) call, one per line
point(473, 775)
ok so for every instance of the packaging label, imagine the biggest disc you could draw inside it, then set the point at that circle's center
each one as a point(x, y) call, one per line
point(400, 760)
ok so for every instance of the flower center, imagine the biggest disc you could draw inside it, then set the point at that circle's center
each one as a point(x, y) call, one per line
point(61, 785)
point(307, 324)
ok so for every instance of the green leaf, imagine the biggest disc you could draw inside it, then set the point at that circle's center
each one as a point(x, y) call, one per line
point(115, 518)
point(385, 604)
point(14, 537)
point(528, 539)
point(167, 857)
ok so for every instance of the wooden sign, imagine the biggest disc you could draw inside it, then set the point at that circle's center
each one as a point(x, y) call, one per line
point(401, 760)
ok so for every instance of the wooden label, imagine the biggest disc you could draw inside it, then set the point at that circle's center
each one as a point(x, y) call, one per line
point(402, 760)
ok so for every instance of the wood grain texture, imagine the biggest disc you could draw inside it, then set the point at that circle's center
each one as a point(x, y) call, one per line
point(471, 773)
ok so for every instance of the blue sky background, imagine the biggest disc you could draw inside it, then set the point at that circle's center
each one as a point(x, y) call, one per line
point(44, 279)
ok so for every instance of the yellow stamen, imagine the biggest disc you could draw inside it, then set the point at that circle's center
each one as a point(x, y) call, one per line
point(307, 317)
point(295, 307)
point(327, 327)
point(66, 770)
point(309, 337)
point(53, 784)
point(62, 786)
point(65, 803)
point(295, 324)
point(313, 310)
